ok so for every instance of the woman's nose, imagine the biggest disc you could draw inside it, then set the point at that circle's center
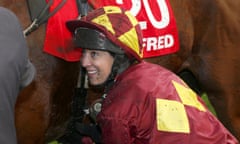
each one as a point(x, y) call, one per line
point(85, 61)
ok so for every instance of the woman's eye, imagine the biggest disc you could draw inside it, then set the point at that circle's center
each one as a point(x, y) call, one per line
point(94, 54)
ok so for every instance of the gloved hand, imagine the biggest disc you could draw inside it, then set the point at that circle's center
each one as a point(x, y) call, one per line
point(90, 130)
point(81, 134)
point(70, 138)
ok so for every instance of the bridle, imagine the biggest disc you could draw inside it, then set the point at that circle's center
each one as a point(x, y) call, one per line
point(43, 16)
point(79, 110)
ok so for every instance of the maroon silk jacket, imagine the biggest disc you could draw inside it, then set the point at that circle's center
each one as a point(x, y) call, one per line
point(150, 105)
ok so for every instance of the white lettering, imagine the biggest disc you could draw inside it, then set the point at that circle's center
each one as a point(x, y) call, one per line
point(163, 11)
point(157, 43)
point(169, 41)
point(161, 42)
point(151, 43)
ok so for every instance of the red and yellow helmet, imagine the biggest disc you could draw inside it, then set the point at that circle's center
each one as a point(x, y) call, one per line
point(109, 28)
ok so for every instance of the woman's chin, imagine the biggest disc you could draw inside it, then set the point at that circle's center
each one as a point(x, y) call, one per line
point(95, 83)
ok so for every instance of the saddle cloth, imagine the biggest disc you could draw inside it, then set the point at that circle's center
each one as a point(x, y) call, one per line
point(156, 20)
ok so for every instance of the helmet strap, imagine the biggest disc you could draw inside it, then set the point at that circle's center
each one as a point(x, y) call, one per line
point(120, 64)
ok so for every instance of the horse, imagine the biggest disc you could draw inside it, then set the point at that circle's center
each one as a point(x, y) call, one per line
point(208, 33)
point(209, 48)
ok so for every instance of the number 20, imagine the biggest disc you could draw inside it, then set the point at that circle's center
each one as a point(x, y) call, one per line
point(163, 9)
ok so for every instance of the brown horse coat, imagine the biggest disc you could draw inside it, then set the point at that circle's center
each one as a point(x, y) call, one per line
point(209, 39)
point(209, 35)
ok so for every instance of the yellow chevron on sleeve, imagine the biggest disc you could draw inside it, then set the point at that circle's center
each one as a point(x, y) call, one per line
point(171, 116)
point(188, 96)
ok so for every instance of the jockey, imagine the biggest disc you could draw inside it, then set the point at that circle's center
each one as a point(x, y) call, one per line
point(144, 103)
point(16, 72)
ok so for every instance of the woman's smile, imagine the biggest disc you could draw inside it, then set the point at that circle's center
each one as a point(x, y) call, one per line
point(98, 65)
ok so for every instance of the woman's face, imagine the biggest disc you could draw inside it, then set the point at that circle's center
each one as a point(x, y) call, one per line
point(98, 65)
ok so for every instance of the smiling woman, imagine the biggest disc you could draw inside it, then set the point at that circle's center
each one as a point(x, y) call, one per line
point(142, 102)
point(209, 39)
point(208, 34)
point(97, 64)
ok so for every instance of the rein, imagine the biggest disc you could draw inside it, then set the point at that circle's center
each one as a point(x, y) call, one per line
point(43, 16)
point(83, 7)
point(79, 107)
